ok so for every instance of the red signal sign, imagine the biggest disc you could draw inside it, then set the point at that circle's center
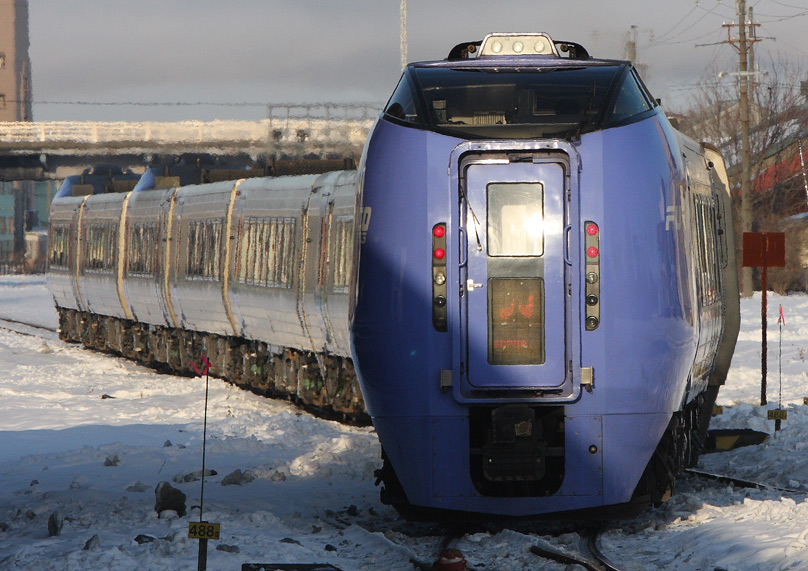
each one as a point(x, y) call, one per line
point(764, 249)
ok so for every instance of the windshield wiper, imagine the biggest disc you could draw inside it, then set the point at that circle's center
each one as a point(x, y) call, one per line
point(588, 113)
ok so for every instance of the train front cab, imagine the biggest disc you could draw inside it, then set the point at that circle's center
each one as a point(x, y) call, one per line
point(498, 379)
point(496, 428)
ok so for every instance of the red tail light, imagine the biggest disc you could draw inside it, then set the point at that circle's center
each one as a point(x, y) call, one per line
point(592, 276)
point(439, 309)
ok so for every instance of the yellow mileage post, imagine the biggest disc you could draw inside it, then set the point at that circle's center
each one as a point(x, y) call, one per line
point(203, 530)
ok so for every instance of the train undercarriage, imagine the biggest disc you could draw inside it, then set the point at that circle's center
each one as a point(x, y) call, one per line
point(323, 383)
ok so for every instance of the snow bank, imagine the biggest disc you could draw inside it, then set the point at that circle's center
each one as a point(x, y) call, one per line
point(91, 436)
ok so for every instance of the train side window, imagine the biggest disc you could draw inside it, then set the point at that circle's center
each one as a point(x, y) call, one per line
point(260, 232)
point(647, 92)
point(287, 247)
point(142, 249)
point(273, 238)
point(58, 247)
point(708, 277)
point(266, 252)
point(336, 253)
point(343, 253)
point(325, 248)
point(247, 251)
point(99, 247)
point(204, 250)
point(714, 270)
point(702, 254)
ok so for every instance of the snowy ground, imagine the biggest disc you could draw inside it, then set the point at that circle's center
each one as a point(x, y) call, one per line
point(66, 446)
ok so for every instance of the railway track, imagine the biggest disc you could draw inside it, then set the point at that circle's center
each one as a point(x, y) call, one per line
point(30, 329)
point(740, 482)
point(588, 555)
point(448, 554)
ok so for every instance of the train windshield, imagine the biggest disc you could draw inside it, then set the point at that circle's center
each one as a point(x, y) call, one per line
point(559, 102)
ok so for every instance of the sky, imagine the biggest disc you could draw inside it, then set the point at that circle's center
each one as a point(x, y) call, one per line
point(93, 59)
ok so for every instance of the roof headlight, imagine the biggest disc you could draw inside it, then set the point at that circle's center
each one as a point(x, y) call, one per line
point(517, 44)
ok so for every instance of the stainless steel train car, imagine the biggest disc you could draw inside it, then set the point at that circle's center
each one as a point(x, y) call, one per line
point(254, 274)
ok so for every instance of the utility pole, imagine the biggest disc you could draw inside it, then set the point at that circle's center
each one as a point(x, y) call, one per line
point(751, 38)
point(631, 45)
point(744, 42)
point(630, 50)
point(403, 34)
point(746, 202)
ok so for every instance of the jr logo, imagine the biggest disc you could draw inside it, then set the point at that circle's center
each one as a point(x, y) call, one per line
point(671, 218)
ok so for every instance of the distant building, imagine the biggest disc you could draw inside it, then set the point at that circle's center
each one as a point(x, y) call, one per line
point(15, 65)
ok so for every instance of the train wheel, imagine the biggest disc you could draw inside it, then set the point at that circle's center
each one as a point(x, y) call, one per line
point(659, 478)
point(392, 492)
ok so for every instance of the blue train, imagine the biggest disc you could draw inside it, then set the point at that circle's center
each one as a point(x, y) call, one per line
point(529, 284)
point(547, 299)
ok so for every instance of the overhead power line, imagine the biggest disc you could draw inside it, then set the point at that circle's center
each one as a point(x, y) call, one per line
point(349, 105)
point(154, 103)
point(663, 37)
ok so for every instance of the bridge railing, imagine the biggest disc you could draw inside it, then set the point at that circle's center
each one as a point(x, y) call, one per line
point(311, 123)
point(278, 129)
point(328, 111)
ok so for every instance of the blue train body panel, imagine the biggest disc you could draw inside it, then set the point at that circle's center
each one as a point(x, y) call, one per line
point(537, 316)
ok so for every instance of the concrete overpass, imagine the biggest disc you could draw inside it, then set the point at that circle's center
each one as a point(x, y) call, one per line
point(55, 149)
point(36, 156)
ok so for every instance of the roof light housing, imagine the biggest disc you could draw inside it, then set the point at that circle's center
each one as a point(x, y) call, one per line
point(528, 44)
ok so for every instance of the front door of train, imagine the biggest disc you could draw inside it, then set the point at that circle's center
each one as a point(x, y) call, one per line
point(514, 321)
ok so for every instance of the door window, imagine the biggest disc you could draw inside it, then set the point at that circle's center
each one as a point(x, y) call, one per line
point(515, 219)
